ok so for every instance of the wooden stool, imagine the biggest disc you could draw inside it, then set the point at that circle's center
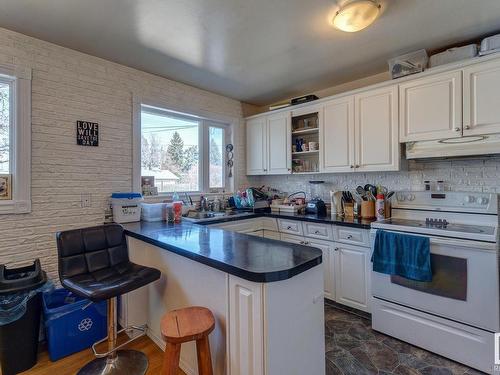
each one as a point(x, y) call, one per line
point(184, 325)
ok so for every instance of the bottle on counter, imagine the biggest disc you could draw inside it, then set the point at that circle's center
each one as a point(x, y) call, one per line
point(380, 207)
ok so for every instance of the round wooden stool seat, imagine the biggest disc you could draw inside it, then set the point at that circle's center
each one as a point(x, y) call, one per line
point(183, 325)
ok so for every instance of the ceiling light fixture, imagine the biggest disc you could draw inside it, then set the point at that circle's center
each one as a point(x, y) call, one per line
point(356, 15)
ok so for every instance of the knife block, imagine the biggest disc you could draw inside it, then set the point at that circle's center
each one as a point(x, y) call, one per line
point(367, 209)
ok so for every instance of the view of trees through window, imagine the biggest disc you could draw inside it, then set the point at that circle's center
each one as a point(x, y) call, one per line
point(4, 128)
point(170, 152)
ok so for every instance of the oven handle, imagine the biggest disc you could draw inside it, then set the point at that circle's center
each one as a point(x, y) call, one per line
point(475, 245)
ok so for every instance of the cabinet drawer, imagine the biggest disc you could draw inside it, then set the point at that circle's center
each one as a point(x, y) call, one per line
point(353, 236)
point(268, 223)
point(320, 231)
point(290, 226)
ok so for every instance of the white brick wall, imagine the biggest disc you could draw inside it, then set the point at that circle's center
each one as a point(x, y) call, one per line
point(482, 175)
point(67, 86)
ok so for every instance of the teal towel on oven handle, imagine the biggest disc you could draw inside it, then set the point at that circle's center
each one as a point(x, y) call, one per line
point(402, 254)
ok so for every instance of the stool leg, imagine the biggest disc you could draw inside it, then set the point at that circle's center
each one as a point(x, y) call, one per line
point(204, 357)
point(112, 321)
point(171, 359)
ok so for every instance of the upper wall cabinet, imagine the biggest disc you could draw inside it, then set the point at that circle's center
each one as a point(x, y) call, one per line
point(268, 144)
point(360, 133)
point(376, 130)
point(481, 104)
point(431, 107)
point(337, 135)
point(256, 146)
point(279, 143)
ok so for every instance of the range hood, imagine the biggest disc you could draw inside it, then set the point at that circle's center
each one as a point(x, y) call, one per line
point(454, 147)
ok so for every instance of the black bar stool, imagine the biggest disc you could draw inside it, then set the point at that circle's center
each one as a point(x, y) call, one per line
point(94, 263)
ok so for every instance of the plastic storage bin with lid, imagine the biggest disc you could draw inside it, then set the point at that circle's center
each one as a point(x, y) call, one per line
point(72, 323)
point(126, 207)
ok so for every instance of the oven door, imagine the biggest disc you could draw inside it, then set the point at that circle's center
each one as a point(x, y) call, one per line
point(464, 286)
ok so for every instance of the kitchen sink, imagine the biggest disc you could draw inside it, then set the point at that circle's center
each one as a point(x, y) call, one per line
point(199, 216)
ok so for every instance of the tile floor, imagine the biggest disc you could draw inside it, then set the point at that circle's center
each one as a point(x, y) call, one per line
point(352, 347)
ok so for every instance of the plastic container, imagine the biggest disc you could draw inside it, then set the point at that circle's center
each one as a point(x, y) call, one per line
point(126, 207)
point(453, 55)
point(489, 45)
point(380, 207)
point(72, 323)
point(410, 63)
point(153, 211)
point(20, 311)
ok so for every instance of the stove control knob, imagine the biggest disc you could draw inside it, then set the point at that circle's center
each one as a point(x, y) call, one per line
point(470, 199)
point(484, 200)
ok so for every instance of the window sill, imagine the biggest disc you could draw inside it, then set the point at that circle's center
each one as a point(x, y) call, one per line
point(15, 207)
point(195, 195)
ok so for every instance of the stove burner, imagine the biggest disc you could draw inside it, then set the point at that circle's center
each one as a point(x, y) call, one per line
point(437, 223)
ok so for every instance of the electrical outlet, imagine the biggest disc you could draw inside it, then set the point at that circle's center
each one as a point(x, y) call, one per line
point(85, 200)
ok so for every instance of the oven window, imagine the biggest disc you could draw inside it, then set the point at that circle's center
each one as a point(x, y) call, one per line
point(449, 278)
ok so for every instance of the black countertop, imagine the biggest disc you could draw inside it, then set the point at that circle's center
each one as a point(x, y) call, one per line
point(249, 257)
point(335, 220)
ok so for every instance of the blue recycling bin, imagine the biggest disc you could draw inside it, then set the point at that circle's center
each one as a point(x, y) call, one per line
point(72, 323)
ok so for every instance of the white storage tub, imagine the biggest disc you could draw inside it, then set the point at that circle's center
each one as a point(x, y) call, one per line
point(453, 55)
point(126, 207)
point(153, 211)
point(490, 44)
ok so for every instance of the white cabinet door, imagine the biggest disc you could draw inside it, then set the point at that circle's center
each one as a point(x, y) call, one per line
point(327, 248)
point(279, 143)
point(376, 130)
point(246, 327)
point(431, 107)
point(256, 146)
point(352, 276)
point(481, 98)
point(337, 135)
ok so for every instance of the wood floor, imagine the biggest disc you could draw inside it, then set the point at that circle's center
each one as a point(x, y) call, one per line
point(71, 364)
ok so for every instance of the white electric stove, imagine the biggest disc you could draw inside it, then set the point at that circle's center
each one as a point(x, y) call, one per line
point(457, 314)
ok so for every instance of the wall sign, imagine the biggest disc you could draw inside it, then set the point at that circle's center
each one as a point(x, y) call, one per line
point(87, 133)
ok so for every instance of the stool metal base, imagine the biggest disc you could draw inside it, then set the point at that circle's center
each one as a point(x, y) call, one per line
point(126, 362)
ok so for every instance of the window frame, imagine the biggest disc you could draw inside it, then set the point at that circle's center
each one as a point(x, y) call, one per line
point(19, 77)
point(203, 142)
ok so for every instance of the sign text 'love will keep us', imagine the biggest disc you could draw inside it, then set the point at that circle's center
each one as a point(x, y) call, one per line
point(87, 133)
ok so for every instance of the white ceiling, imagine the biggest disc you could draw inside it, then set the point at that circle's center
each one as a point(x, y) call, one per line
point(257, 51)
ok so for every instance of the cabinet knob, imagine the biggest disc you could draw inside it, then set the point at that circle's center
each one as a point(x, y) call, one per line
point(356, 166)
point(336, 249)
point(306, 243)
point(301, 242)
point(457, 129)
point(467, 127)
point(317, 232)
point(265, 170)
point(288, 228)
point(352, 166)
point(349, 237)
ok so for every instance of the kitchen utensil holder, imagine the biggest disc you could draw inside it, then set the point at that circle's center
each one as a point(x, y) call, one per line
point(368, 209)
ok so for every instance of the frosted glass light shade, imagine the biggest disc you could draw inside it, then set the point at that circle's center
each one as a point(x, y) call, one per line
point(356, 15)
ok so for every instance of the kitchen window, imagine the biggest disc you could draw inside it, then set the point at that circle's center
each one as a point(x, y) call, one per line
point(181, 153)
point(15, 139)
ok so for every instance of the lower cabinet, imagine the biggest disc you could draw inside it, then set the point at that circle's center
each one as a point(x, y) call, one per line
point(327, 248)
point(264, 316)
point(352, 275)
point(272, 234)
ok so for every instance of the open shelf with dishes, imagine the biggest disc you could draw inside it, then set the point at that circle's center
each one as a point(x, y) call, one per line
point(305, 143)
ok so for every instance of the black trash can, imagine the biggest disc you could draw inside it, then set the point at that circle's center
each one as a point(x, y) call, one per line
point(20, 311)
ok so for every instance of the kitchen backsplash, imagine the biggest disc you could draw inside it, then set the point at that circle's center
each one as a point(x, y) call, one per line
point(481, 175)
